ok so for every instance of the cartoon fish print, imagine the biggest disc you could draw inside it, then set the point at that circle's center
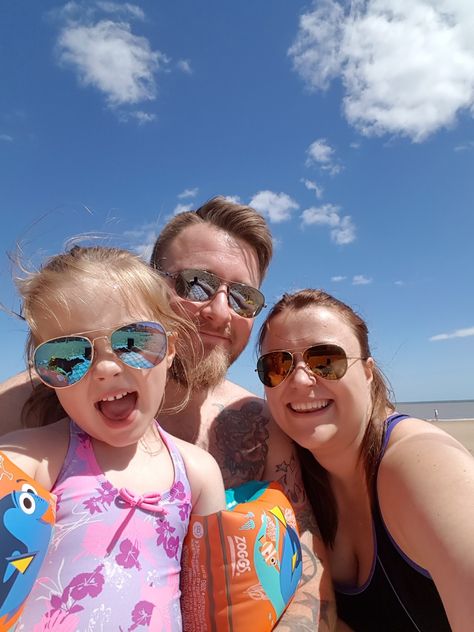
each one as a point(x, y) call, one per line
point(269, 552)
point(24, 539)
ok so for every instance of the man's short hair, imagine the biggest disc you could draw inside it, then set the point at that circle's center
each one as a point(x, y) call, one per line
point(239, 221)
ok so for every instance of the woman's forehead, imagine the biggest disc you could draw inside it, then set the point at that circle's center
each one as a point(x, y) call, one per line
point(309, 325)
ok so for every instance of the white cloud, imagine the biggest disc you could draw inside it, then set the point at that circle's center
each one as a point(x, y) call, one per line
point(459, 333)
point(235, 199)
point(406, 66)
point(185, 66)
point(322, 154)
point(312, 186)
point(360, 279)
point(131, 10)
point(6, 137)
point(188, 193)
point(142, 117)
point(182, 208)
point(343, 230)
point(276, 206)
point(400, 283)
point(142, 239)
point(326, 215)
point(109, 57)
point(80, 11)
point(338, 278)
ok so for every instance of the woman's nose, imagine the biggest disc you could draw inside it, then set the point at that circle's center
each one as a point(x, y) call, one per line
point(302, 374)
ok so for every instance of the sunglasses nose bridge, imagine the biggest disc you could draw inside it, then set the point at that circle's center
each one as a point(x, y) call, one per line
point(300, 361)
point(103, 349)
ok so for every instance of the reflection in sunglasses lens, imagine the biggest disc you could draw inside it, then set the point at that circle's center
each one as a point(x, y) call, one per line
point(200, 286)
point(64, 361)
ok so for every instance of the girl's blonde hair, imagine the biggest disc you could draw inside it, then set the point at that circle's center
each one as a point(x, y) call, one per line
point(134, 281)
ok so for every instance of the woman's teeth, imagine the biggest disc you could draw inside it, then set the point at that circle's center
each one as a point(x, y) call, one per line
point(111, 398)
point(309, 406)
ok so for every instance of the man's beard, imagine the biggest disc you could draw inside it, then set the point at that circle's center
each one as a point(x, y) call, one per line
point(209, 371)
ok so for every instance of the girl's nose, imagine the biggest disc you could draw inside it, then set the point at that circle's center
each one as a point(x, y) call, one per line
point(106, 363)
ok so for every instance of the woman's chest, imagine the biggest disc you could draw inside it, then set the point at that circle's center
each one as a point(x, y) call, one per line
point(351, 559)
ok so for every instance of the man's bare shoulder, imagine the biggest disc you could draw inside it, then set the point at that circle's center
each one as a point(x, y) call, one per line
point(13, 394)
point(236, 423)
point(231, 392)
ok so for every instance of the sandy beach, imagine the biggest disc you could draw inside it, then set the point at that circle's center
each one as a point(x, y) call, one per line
point(462, 430)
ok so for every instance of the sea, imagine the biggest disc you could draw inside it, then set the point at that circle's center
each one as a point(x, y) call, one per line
point(439, 411)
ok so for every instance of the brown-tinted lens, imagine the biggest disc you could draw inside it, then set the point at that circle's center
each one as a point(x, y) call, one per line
point(326, 361)
point(272, 368)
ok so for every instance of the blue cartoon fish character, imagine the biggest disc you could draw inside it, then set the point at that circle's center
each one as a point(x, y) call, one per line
point(278, 561)
point(25, 532)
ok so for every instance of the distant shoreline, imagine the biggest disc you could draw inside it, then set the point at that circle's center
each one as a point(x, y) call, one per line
point(460, 429)
point(448, 410)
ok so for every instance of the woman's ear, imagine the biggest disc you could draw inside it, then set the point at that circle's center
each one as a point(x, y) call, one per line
point(172, 337)
point(369, 365)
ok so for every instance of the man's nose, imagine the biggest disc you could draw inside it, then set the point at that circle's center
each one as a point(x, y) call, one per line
point(217, 308)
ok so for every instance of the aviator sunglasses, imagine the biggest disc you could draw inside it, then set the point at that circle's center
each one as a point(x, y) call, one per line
point(64, 361)
point(327, 361)
point(201, 286)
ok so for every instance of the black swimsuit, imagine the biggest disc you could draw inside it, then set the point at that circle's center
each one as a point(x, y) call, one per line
point(399, 595)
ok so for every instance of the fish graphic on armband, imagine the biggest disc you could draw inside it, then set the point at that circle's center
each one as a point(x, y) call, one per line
point(26, 524)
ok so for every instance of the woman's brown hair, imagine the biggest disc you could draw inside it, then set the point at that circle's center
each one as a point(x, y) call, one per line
point(315, 477)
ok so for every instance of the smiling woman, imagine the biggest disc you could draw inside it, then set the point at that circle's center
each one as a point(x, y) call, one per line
point(381, 483)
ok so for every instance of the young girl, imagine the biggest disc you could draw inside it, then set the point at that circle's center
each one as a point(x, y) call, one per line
point(103, 336)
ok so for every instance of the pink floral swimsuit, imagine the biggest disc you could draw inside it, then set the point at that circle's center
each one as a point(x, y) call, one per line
point(114, 560)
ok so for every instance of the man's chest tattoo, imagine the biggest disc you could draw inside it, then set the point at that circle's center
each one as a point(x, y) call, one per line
point(240, 439)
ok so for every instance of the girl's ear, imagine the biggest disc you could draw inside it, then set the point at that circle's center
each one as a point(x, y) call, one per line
point(172, 337)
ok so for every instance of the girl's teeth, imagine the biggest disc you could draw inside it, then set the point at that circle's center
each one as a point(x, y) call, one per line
point(112, 397)
point(310, 406)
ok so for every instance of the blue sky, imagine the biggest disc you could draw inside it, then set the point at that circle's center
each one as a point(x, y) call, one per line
point(349, 127)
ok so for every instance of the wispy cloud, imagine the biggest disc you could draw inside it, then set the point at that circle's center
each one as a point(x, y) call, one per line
point(188, 193)
point(233, 198)
point(343, 230)
point(320, 153)
point(278, 207)
point(459, 333)
point(312, 186)
point(142, 239)
point(469, 145)
point(338, 278)
point(182, 208)
point(406, 67)
point(106, 55)
point(121, 8)
point(142, 118)
point(185, 66)
point(360, 279)
point(6, 138)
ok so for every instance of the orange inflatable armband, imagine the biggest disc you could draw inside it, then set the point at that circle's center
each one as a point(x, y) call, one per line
point(241, 567)
point(27, 513)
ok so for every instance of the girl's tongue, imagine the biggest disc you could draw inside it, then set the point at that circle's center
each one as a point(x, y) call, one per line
point(118, 409)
